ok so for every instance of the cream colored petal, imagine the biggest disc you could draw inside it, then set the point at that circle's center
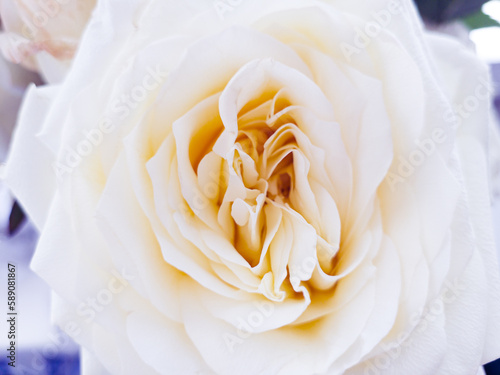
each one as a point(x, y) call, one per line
point(163, 344)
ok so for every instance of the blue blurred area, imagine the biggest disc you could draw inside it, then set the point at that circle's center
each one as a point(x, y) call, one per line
point(493, 368)
point(495, 73)
point(447, 10)
point(34, 364)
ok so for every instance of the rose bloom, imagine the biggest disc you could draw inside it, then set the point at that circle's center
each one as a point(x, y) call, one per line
point(268, 187)
point(43, 35)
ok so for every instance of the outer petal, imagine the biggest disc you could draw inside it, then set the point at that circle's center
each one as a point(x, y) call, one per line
point(35, 189)
point(469, 83)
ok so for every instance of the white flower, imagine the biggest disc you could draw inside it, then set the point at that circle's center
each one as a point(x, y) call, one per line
point(265, 187)
point(43, 35)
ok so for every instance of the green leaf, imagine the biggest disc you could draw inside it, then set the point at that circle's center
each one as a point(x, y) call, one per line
point(479, 20)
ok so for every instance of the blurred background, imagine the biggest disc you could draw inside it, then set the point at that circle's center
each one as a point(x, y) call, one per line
point(42, 349)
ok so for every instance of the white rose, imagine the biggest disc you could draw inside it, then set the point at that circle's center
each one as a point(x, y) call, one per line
point(43, 35)
point(265, 187)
